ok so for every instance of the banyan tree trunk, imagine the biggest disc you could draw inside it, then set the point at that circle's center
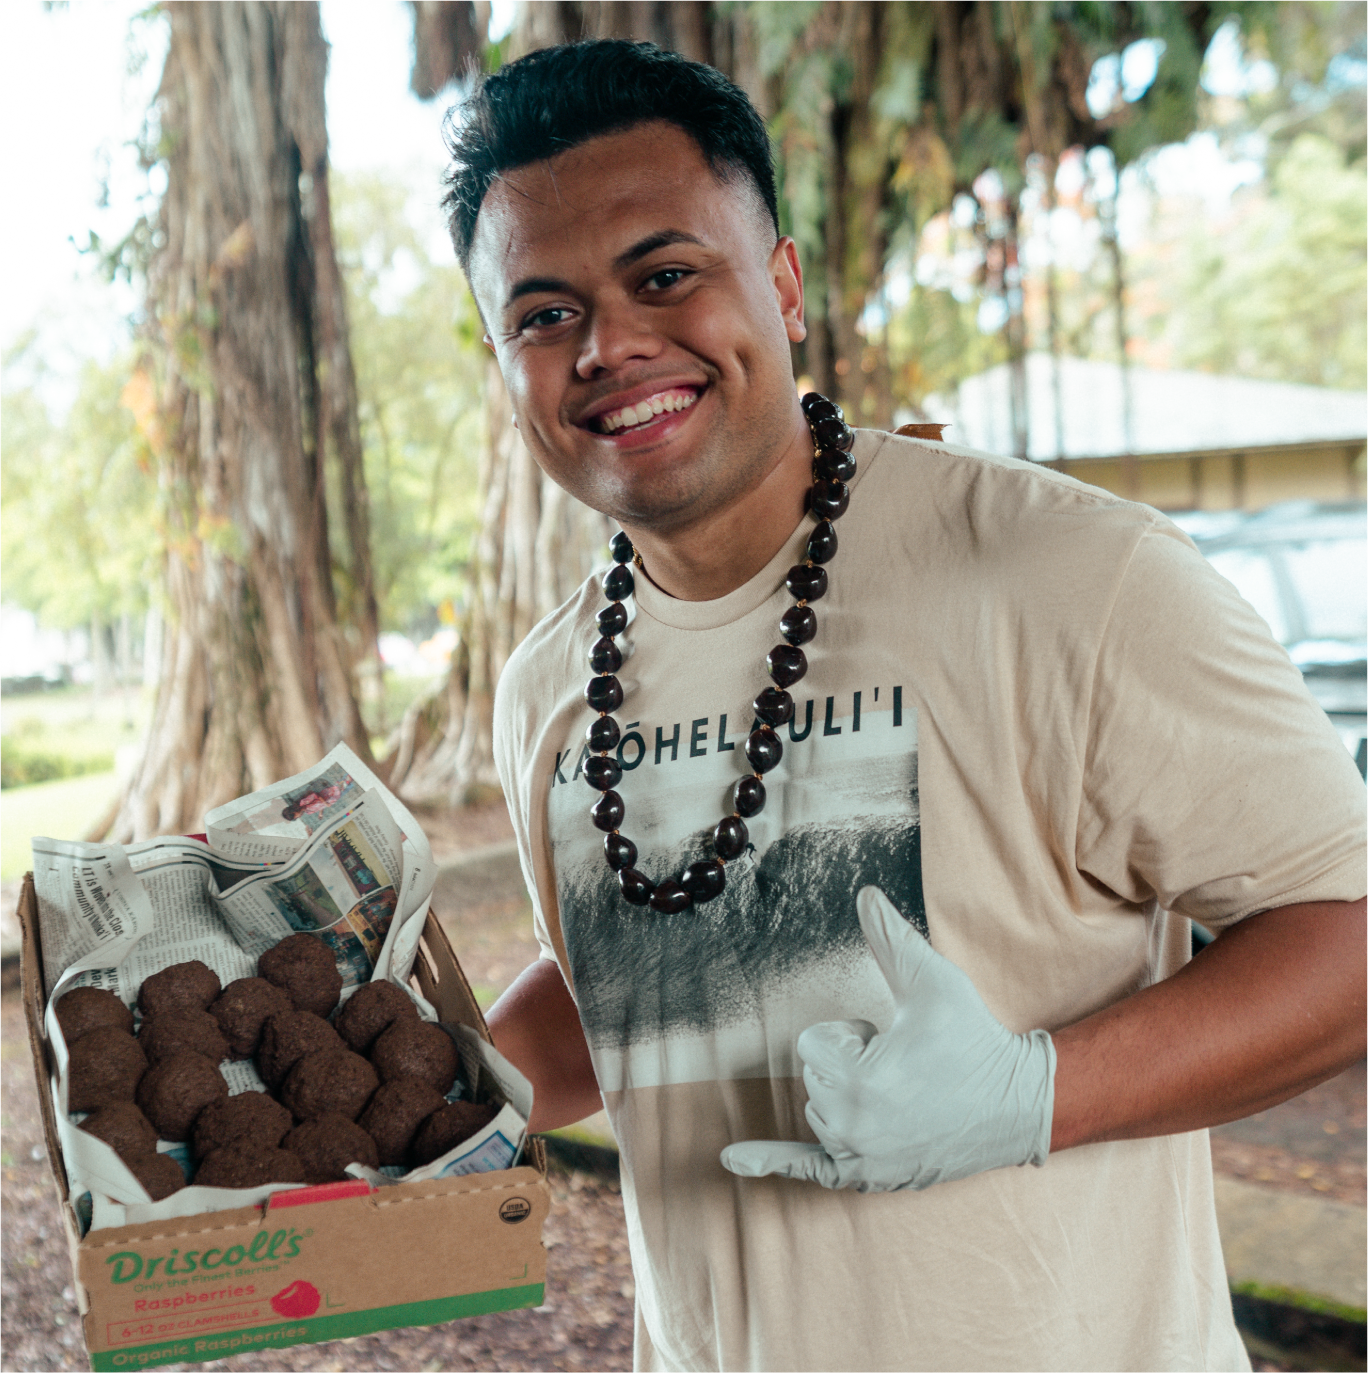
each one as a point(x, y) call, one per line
point(251, 414)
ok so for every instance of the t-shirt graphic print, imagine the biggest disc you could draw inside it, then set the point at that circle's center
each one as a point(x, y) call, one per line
point(698, 995)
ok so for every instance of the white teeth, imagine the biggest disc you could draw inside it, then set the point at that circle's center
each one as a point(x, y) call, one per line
point(646, 410)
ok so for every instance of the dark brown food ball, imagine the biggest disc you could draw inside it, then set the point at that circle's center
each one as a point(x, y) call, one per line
point(124, 1128)
point(249, 1164)
point(159, 1173)
point(83, 1009)
point(448, 1127)
point(244, 1008)
point(327, 1144)
point(174, 1093)
point(371, 1010)
point(191, 984)
point(182, 1031)
point(106, 1065)
point(394, 1114)
point(305, 968)
point(330, 1080)
point(286, 1038)
point(246, 1116)
point(416, 1048)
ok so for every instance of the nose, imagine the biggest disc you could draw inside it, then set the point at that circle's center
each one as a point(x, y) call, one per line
point(617, 336)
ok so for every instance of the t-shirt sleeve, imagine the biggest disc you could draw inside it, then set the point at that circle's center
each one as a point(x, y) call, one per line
point(1213, 781)
point(512, 747)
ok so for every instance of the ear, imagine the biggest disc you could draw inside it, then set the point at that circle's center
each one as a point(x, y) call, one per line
point(786, 272)
point(488, 342)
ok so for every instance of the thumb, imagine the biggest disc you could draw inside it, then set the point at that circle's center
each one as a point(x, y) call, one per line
point(760, 1158)
point(900, 951)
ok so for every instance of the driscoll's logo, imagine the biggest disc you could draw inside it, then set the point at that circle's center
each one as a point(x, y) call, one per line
point(125, 1266)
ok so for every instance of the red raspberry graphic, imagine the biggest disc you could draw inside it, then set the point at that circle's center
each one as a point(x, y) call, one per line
point(297, 1300)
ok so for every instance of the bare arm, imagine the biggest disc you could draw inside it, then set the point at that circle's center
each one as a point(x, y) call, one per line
point(536, 1026)
point(1271, 1007)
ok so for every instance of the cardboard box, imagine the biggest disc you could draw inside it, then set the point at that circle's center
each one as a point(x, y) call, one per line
point(318, 1263)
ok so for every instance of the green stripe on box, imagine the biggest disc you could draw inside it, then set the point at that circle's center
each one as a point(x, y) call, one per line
point(316, 1329)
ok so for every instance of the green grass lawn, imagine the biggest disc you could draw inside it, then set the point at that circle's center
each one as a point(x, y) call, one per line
point(59, 810)
point(71, 731)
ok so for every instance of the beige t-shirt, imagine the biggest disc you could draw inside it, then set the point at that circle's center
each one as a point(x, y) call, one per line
point(1036, 717)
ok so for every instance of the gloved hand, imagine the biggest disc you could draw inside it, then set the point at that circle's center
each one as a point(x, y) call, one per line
point(945, 1092)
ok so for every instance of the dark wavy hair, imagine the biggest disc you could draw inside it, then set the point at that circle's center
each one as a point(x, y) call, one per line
point(557, 98)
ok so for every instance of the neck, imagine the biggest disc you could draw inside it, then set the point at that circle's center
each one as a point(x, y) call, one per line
point(712, 556)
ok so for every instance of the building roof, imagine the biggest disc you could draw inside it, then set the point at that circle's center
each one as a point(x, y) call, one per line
point(1171, 412)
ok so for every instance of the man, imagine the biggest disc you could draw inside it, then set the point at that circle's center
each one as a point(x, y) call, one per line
point(1035, 729)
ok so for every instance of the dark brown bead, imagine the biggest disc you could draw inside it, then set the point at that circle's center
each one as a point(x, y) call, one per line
point(730, 837)
point(821, 549)
point(773, 706)
point(612, 619)
point(829, 500)
point(748, 796)
point(603, 693)
point(619, 851)
point(764, 749)
point(602, 773)
point(824, 409)
point(786, 664)
point(618, 582)
point(704, 880)
point(635, 887)
point(798, 624)
point(603, 735)
point(806, 583)
point(812, 398)
point(620, 546)
point(833, 465)
point(605, 656)
point(669, 898)
point(833, 433)
point(607, 811)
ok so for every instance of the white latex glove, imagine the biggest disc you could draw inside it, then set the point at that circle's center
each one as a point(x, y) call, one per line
point(946, 1092)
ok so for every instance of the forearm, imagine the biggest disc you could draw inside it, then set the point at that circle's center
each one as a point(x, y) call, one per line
point(1271, 1007)
point(536, 1026)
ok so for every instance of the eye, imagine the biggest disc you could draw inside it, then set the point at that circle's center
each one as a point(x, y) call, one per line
point(547, 318)
point(666, 277)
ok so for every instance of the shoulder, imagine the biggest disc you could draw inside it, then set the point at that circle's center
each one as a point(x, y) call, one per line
point(1000, 514)
point(546, 668)
point(956, 468)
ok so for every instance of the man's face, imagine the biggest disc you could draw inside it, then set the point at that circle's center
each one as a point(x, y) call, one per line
point(641, 312)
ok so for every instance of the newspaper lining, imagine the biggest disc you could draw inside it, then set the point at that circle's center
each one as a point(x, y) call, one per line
point(329, 852)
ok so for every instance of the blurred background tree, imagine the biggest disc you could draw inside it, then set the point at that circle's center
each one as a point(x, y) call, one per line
point(246, 400)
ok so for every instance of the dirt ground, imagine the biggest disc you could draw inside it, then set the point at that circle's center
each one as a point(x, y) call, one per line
point(1314, 1145)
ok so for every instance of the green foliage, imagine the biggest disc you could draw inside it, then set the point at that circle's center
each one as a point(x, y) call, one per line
point(79, 506)
point(934, 343)
point(21, 767)
point(1282, 292)
point(1317, 52)
point(415, 335)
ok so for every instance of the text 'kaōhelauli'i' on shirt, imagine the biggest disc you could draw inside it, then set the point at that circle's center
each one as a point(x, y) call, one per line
point(1051, 733)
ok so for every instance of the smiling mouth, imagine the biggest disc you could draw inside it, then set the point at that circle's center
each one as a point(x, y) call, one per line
point(645, 412)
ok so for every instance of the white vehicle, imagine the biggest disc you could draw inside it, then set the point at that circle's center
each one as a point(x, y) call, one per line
point(1303, 566)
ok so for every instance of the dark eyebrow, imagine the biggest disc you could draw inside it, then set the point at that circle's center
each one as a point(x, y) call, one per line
point(532, 285)
point(551, 285)
point(648, 245)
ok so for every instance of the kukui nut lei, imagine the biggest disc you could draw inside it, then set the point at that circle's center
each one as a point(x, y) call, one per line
point(828, 499)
